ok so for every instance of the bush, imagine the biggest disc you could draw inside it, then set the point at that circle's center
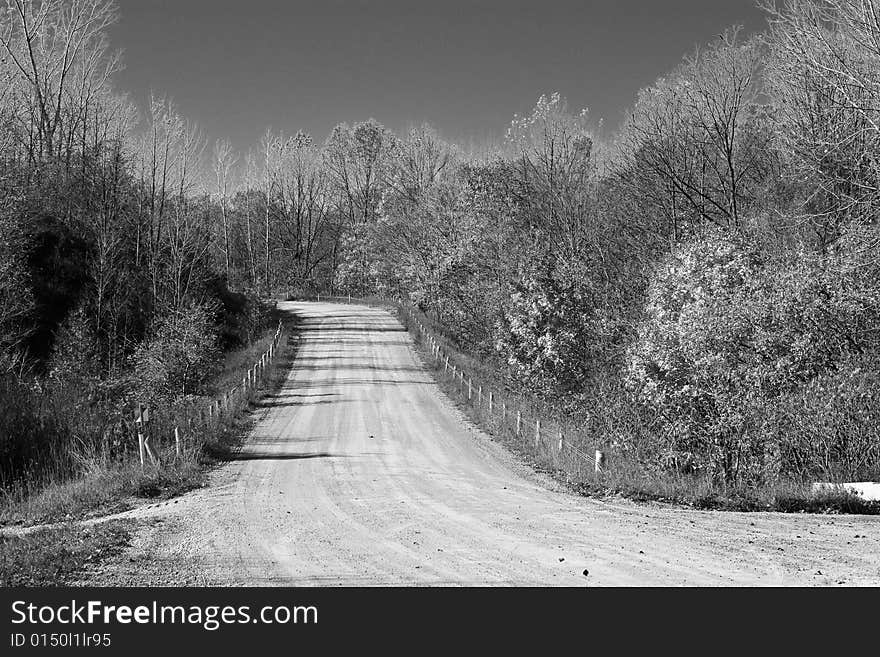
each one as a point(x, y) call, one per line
point(32, 444)
point(181, 354)
point(558, 330)
point(240, 318)
point(728, 331)
point(827, 429)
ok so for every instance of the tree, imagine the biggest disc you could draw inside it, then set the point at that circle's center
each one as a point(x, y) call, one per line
point(824, 73)
point(57, 52)
point(697, 140)
point(358, 158)
point(305, 207)
point(224, 162)
point(553, 150)
point(16, 300)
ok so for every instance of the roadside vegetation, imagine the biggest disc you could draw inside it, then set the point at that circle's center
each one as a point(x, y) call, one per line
point(101, 481)
point(620, 473)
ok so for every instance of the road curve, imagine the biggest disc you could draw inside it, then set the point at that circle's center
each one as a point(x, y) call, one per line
point(359, 471)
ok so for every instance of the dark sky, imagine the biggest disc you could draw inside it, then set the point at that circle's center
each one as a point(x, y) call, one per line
point(237, 67)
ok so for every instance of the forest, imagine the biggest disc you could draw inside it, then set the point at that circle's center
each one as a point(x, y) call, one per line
point(701, 286)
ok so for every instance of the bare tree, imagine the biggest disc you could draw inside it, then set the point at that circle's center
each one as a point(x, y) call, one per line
point(825, 80)
point(695, 137)
point(224, 162)
point(57, 51)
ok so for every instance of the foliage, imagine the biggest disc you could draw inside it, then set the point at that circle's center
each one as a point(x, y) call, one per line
point(179, 356)
point(727, 330)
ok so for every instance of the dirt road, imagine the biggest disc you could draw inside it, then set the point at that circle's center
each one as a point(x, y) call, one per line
point(360, 472)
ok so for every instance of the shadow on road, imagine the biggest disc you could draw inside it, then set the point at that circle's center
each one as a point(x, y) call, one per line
point(269, 456)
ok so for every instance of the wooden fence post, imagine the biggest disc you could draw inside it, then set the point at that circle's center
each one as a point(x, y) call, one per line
point(177, 441)
point(600, 460)
point(139, 423)
point(518, 421)
point(561, 441)
point(142, 420)
point(469, 388)
point(537, 431)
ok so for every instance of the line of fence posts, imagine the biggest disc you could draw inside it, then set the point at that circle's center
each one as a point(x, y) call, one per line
point(563, 446)
point(206, 416)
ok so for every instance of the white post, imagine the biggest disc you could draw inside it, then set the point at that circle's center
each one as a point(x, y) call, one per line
point(490, 402)
point(561, 441)
point(177, 441)
point(600, 460)
point(518, 421)
point(139, 421)
point(537, 431)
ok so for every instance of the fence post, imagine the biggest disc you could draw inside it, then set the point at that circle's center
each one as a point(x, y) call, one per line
point(600, 460)
point(469, 388)
point(561, 441)
point(518, 421)
point(490, 402)
point(177, 441)
point(537, 431)
point(446, 366)
point(139, 422)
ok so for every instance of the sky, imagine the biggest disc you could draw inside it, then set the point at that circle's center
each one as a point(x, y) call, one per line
point(238, 67)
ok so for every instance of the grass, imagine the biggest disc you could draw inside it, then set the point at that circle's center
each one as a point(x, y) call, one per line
point(58, 555)
point(623, 476)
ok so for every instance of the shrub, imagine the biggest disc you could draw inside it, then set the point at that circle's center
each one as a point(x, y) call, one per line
point(181, 354)
point(557, 328)
point(828, 429)
point(728, 330)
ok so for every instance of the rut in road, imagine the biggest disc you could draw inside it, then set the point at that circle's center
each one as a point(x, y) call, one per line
point(359, 471)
